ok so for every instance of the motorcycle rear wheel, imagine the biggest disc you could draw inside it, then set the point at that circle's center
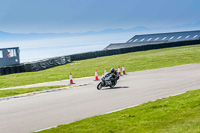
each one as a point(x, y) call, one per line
point(113, 85)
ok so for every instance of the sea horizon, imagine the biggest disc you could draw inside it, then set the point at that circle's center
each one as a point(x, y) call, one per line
point(39, 49)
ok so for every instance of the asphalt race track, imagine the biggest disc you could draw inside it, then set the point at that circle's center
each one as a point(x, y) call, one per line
point(32, 113)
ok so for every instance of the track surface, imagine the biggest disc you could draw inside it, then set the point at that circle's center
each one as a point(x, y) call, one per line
point(28, 114)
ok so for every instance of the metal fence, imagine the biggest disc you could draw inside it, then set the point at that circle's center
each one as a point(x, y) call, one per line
point(52, 62)
point(35, 66)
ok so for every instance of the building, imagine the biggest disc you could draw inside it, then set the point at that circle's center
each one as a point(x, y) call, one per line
point(158, 38)
point(9, 56)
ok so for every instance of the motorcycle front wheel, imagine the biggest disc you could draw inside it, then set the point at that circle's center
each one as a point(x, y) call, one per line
point(99, 86)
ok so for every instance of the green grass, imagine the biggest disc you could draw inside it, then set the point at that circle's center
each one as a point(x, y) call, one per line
point(177, 114)
point(135, 61)
point(14, 92)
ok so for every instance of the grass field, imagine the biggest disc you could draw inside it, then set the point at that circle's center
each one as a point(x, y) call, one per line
point(14, 92)
point(177, 114)
point(135, 61)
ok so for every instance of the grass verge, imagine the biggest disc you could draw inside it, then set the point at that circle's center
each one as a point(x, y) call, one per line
point(14, 92)
point(177, 114)
point(135, 61)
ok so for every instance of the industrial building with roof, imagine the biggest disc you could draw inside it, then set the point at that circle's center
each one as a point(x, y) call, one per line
point(147, 39)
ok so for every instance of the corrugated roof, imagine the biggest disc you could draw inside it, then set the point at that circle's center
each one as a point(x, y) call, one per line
point(171, 37)
point(127, 45)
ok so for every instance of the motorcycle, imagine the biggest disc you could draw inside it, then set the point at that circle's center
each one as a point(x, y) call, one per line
point(107, 80)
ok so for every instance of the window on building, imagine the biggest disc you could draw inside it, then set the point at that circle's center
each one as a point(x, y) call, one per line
point(164, 38)
point(171, 38)
point(1, 54)
point(149, 39)
point(187, 36)
point(135, 40)
point(130, 40)
point(179, 37)
point(156, 38)
point(195, 36)
point(142, 40)
point(11, 53)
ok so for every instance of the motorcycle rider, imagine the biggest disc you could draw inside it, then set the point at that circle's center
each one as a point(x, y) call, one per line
point(115, 74)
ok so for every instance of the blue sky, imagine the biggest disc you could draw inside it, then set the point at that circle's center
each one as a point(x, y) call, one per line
point(80, 16)
point(57, 16)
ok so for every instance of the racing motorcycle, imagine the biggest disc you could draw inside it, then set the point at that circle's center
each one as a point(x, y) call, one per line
point(107, 80)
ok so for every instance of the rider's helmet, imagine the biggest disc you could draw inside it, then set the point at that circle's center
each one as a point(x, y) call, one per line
point(112, 70)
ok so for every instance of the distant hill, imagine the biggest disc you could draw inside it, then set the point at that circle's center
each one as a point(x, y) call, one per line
point(4, 36)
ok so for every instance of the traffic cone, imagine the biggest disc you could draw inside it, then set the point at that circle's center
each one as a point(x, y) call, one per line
point(123, 70)
point(119, 70)
point(105, 71)
point(96, 75)
point(70, 77)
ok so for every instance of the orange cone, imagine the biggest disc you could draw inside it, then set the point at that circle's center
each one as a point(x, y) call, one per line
point(119, 70)
point(96, 75)
point(123, 70)
point(105, 71)
point(70, 77)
